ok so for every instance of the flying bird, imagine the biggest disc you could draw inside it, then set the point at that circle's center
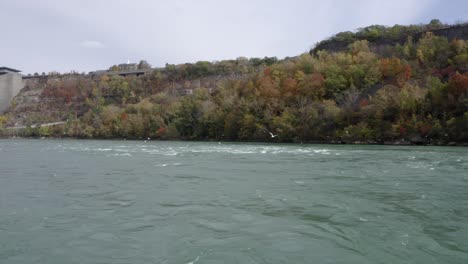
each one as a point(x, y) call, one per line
point(192, 262)
point(272, 135)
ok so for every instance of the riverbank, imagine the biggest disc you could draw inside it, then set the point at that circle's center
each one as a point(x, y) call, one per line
point(313, 142)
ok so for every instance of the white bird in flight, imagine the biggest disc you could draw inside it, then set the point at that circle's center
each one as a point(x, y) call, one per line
point(272, 135)
point(192, 262)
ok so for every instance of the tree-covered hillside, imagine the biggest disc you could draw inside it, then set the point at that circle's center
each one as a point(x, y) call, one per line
point(413, 92)
point(380, 36)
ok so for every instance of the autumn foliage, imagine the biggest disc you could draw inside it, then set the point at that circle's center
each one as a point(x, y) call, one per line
point(416, 92)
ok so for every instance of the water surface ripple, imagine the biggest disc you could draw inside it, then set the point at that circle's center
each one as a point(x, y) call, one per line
point(77, 201)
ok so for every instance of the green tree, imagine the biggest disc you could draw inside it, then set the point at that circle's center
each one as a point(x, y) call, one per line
point(144, 65)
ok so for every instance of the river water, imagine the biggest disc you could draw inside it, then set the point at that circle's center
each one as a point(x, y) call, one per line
point(77, 201)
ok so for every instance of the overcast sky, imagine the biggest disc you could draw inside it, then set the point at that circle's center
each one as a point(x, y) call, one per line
point(84, 35)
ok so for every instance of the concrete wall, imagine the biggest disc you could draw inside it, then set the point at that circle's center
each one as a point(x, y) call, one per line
point(10, 86)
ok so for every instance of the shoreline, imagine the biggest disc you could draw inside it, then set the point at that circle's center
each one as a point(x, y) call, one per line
point(313, 142)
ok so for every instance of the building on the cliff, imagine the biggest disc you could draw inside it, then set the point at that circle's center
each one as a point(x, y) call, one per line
point(6, 70)
point(11, 82)
point(124, 69)
point(128, 67)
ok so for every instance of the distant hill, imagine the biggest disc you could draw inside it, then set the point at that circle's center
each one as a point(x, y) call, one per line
point(380, 36)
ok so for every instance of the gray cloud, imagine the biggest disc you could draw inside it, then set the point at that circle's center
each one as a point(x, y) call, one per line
point(43, 34)
point(92, 44)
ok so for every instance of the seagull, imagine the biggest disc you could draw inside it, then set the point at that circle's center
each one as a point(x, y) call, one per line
point(272, 135)
point(192, 262)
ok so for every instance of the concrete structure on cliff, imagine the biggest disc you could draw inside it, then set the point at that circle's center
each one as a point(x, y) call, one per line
point(124, 70)
point(128, 66)
point(11, 83)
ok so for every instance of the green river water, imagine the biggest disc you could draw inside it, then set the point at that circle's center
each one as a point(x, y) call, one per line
point(77, 201)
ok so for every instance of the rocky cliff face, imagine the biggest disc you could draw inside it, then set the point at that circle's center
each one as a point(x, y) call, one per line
point(54, 98)
point(30, 106)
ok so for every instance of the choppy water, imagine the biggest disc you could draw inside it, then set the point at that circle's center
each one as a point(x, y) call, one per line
point(176, 202)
